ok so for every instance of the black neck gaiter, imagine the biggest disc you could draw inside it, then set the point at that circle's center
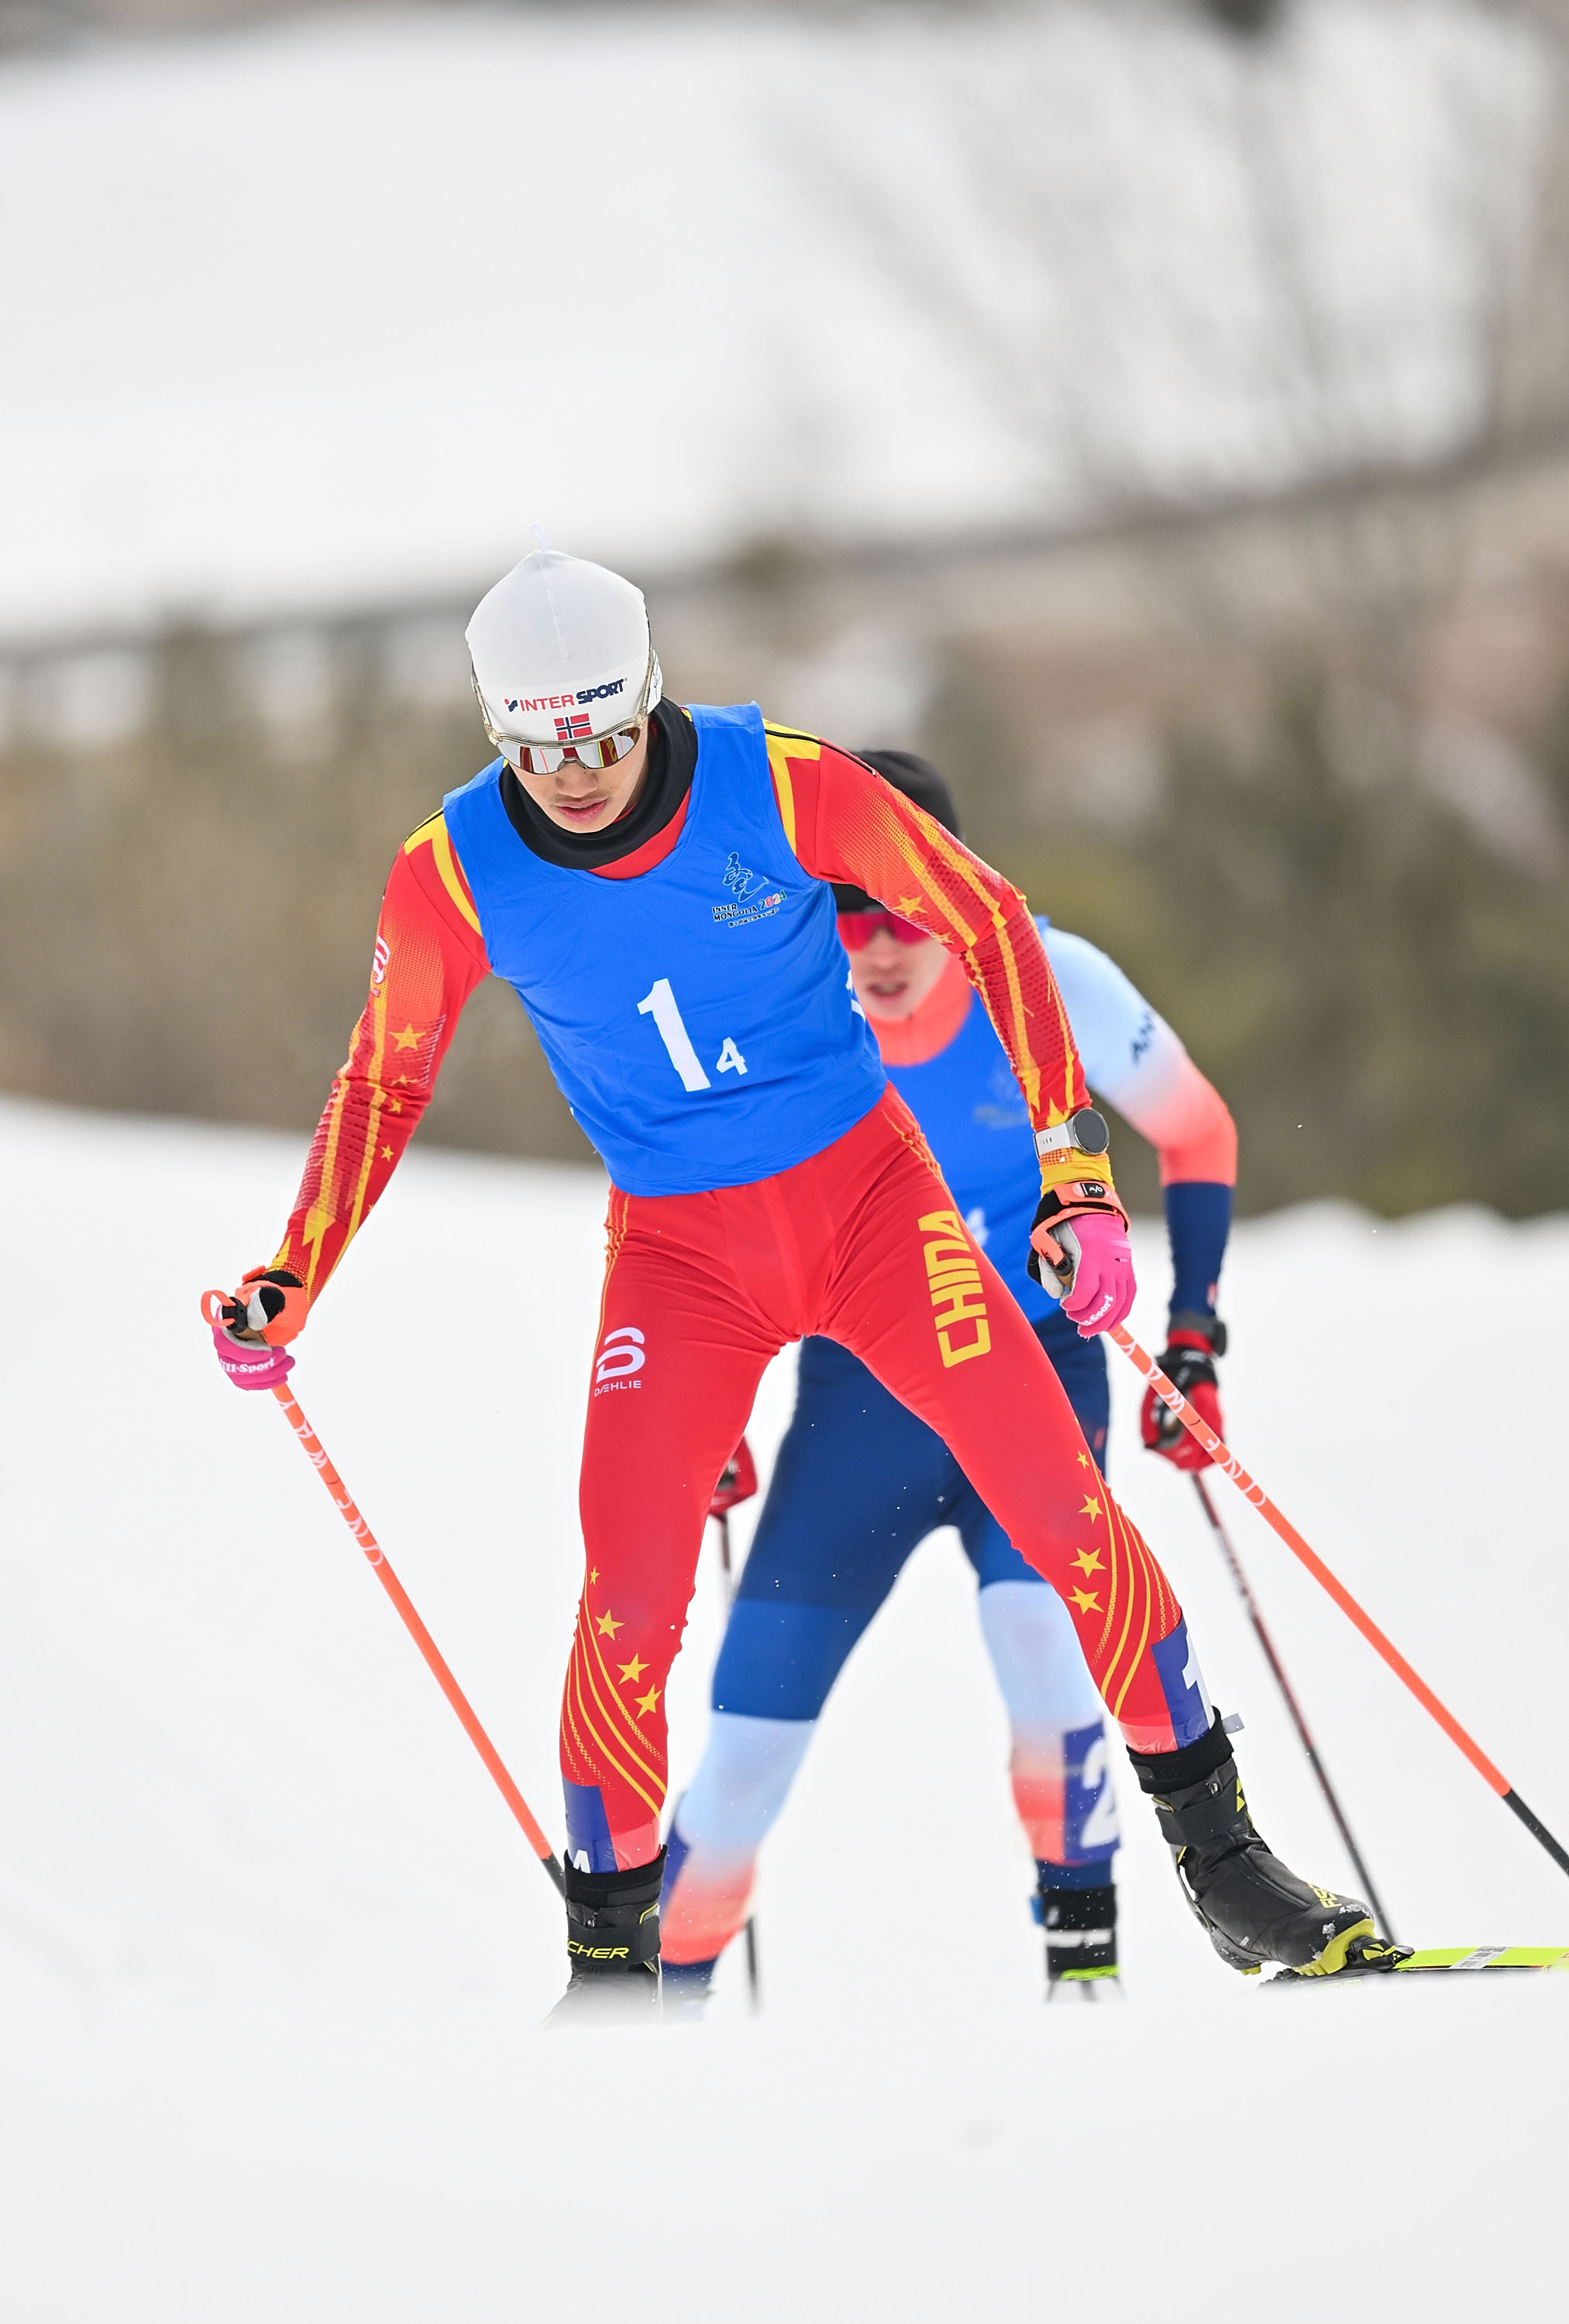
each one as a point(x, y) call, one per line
point(672, 763)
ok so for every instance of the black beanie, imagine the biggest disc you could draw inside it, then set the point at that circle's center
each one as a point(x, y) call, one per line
point(919, 780)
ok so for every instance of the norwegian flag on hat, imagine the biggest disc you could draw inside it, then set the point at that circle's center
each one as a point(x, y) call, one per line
point(573, 729)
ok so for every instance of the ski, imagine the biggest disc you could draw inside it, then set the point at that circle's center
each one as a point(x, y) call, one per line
point(1382, 1961)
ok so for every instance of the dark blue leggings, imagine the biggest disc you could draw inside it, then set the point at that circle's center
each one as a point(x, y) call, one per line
point(859, 1482)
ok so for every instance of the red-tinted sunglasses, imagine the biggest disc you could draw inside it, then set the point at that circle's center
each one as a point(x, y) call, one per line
point(857, 929)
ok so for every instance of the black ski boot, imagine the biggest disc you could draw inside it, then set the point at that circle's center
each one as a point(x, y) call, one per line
point(1254, 1909)
point(1080, 1942)
point(613, 1944)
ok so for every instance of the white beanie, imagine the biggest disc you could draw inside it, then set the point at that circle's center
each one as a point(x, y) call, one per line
point(562, 651)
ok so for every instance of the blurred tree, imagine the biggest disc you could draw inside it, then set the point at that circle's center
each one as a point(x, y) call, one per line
point(1245, 17)
point(1527, 385)
point(185, 920)
point(1384, 1003)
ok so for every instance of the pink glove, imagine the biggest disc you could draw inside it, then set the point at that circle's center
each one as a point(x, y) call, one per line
point(251, 1365)
point(1103, 1285)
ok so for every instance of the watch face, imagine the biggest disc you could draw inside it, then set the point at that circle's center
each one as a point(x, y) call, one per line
point(1090, 1133)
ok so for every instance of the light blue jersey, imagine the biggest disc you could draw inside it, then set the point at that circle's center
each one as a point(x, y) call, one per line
point(968, 1101)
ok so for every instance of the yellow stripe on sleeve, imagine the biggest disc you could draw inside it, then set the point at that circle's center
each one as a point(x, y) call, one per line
point(451, 879)
point(426, 831)
point(783, 745)
point(435, 834)
point(321, 1217)
point(377, 1100)
point(956, 860)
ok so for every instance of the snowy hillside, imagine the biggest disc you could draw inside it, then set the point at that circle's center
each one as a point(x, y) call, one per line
point(272, 1954)
point(335, 310)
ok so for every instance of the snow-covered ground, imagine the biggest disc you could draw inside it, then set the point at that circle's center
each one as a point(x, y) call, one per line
point(273, 1955)
point(334, 310)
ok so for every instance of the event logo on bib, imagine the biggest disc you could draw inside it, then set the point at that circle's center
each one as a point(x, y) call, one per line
point(747, 906)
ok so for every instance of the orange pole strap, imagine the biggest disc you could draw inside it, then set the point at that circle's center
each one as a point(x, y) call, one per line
point(1230, 1466)
point(395, 1591)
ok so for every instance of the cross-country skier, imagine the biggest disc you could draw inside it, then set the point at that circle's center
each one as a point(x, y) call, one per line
point(860, 1481)
point(654, 882)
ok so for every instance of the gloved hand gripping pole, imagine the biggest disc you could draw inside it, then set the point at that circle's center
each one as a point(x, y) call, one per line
point(1230, 1466)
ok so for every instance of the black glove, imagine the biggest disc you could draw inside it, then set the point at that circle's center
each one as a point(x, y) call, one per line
point(1188, 1363)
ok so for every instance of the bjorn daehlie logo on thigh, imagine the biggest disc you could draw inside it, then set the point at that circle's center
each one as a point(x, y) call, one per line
point(621, 1354)
point(747, 906)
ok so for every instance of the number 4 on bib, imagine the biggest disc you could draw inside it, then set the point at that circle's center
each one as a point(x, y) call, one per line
point(660, 1003)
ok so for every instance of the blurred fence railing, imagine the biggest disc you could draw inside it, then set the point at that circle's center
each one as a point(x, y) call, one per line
point(1303, 768)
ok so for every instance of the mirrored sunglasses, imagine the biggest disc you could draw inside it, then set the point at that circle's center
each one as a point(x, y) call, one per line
point(857, 929)
point(588, 750)
point(574, 737)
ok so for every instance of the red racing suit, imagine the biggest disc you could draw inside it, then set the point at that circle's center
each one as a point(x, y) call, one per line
point(862, 1242)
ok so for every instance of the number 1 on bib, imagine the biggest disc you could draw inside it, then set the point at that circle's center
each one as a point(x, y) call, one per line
point(660, 1003)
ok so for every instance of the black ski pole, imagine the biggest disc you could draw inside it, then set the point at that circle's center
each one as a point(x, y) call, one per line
point(753, 1991)
point(1293, 1707)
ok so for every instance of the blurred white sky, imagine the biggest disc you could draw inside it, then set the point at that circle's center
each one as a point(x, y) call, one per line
point(335, 310)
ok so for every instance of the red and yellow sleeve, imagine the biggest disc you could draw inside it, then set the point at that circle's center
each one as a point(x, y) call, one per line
point(844, 823)
point(430, 956)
